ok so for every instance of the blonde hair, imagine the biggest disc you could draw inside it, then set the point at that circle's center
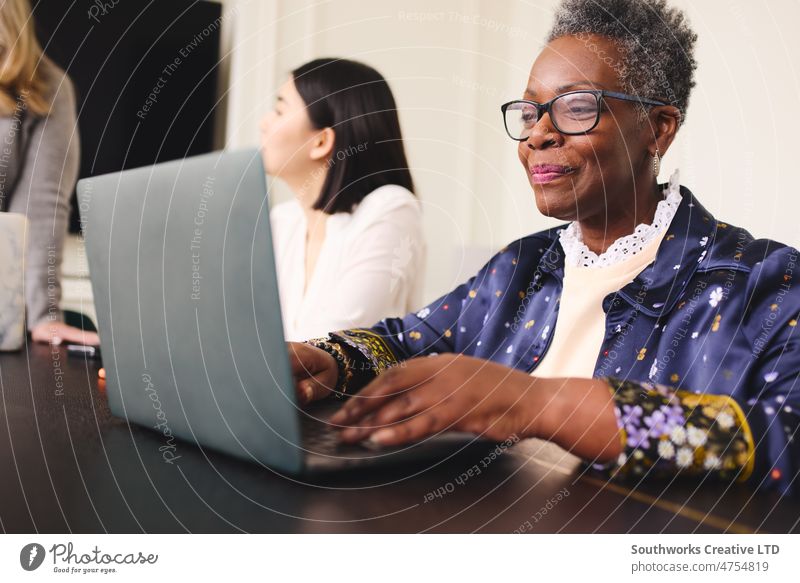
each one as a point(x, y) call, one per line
point(21, 66)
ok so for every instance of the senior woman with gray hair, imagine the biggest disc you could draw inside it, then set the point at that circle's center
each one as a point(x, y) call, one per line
point(643, 335)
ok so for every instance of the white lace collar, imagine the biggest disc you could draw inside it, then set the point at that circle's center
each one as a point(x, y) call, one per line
point(577, 254)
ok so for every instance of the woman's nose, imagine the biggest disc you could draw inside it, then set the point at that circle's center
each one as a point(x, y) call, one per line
point(543, 134)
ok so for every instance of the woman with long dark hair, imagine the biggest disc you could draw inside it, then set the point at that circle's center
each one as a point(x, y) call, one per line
point(349, 246)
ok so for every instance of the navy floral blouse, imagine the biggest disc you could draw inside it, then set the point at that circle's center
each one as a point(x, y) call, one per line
point(701, 351)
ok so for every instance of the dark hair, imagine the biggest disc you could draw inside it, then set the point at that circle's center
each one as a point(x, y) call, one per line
point(355, 100)
point(655, 39)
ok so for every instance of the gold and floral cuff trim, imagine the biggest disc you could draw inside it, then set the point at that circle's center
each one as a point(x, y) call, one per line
point(379, 357)
point(668, 430)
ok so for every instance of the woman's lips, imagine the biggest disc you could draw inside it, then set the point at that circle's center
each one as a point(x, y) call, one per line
point(542, 173)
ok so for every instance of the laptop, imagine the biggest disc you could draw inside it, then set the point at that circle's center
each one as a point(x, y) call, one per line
point(185, 291)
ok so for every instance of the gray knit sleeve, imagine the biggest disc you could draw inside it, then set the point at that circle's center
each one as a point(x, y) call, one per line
point(48, 175)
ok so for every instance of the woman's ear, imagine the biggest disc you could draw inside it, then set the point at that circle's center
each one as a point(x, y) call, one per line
point(664, 123)
point(322, 144)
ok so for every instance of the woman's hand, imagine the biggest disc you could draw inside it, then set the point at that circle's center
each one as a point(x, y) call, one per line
point(57, 332)
point(447, 392)
point(315, 371)
point(428, 395)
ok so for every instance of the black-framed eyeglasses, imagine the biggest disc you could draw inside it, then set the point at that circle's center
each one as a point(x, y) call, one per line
point(572, 113)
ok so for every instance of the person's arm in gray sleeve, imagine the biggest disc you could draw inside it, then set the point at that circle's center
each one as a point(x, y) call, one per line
point(46, 183)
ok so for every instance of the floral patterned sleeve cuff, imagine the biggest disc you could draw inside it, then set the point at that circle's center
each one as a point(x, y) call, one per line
point(668, 431)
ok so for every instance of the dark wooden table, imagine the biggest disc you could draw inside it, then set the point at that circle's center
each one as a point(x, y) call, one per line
point(67, 465)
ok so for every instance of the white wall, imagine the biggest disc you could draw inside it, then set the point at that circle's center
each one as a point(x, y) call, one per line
point(452, 63)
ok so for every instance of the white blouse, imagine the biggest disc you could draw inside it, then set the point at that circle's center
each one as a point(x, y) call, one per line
point(370, 266)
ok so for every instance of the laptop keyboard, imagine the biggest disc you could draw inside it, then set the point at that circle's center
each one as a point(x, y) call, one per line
point(319, 437)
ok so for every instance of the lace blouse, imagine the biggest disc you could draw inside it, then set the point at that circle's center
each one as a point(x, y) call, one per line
point(578, 254)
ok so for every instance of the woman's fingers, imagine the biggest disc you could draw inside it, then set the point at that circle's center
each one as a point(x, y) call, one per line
point(41, 334)
point(302, 360)
point(352, 434)
point(423, 425)
point(78, 336)
point(314, 370)
point(406, 405)
point(58, 333)
point(387, 386)
point(311, 389)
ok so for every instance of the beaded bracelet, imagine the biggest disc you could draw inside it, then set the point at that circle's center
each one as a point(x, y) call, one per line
point(345, 372)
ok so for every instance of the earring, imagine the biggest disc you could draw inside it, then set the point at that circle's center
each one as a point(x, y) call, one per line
point(656, 164)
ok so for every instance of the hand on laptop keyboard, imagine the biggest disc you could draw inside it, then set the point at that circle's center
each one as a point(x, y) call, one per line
point(450, 392)
point(314, 371)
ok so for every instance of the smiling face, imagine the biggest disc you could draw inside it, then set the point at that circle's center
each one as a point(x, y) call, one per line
point(577, 177)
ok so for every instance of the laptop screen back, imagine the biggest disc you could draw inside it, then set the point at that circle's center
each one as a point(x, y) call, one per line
point(185, 288)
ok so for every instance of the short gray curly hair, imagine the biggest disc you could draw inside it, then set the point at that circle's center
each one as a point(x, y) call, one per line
point(655, 40)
